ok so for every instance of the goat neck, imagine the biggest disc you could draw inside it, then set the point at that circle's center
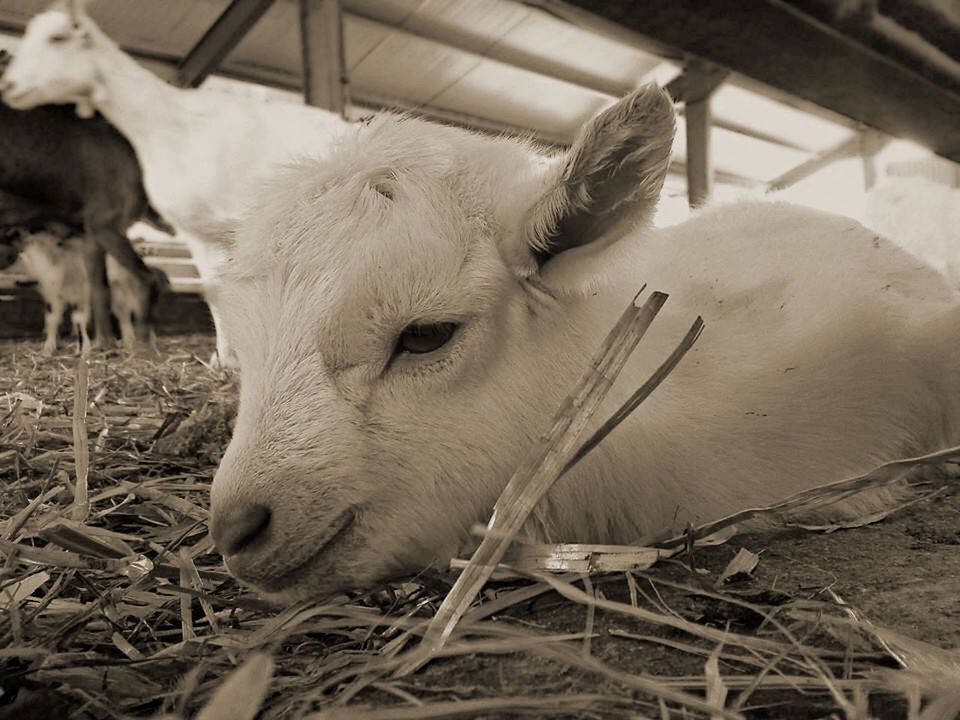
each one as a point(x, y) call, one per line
point(137, 102)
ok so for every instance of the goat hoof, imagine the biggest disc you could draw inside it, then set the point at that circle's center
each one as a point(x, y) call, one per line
point(218, 362)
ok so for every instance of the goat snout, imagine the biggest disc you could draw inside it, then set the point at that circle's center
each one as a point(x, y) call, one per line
point(17, 95)
point(239, 527)
point(273, 547)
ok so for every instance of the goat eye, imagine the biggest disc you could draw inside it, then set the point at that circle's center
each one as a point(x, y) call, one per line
point(418, 339)
point(59, 38)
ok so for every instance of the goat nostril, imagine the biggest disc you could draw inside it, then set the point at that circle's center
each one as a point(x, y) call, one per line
point(240, 527)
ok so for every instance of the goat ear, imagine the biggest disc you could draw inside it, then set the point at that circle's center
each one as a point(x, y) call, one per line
point(608, 185)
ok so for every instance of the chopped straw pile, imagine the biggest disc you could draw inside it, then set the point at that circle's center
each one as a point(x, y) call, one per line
point(115, 605)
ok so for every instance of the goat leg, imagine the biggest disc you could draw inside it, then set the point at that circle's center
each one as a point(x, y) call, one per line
point(53, 314)
point(152, 282)
point(95, 261)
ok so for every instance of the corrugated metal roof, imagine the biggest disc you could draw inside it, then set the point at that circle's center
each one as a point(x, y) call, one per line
point(488, 63)
point(493, 63)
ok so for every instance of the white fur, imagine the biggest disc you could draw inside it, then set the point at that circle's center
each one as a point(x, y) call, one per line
point(827, 350)
point(59, 269)
point(922, 217)
point(209, 258)
point(203, 154)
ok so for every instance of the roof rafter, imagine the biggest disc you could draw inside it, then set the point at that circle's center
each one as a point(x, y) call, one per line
point(785, 48)
point(864, 144)
point(220, 38)
point(229, 29)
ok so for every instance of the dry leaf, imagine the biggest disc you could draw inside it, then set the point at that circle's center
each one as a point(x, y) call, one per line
point(14, 593)
point(242, 693)
point(716, 690)
point(743, 563)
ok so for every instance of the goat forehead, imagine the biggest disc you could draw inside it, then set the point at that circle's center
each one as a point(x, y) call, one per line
point(395, 226)
point(362, 208)
point(381, 267)
point(349, 267)
point(441, 181)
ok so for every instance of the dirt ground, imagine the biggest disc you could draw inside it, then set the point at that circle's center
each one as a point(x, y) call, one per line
point(902, 574)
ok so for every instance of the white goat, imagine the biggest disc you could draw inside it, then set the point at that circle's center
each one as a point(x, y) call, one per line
point(203, 155)
point(922, 217)
point(57, 266)
point(411, 310)
point(55, 259)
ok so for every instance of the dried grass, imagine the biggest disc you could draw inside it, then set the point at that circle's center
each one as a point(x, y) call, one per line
point(115, 605)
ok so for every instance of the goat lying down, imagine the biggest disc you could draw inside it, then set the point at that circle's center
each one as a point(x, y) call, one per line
point(55, 258)
point(922, 217)
point(410, 311)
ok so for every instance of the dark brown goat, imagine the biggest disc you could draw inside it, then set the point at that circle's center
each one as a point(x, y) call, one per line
point(55, 166)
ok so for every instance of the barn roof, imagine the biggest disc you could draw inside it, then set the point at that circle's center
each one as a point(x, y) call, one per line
point(793, 85)
point(547, 66)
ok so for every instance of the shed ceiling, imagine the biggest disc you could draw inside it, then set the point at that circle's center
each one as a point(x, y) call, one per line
point(493, 64)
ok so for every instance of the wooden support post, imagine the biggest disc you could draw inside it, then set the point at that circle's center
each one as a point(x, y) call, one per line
point(321, 41)
point(693, 87)
point(699, 166)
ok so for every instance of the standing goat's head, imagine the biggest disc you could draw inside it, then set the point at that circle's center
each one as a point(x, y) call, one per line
point(55, 62)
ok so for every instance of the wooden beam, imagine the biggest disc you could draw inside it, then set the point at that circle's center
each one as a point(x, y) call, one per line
point(219, 39)
point(678, 166)
point(163, 65)
point(699, 165)
point(464, 40)
point(468, 39)
point(757, 134)
point(845, 149)
point(779, 45)
point(869, 142)
point(325, 81)
point(375, 103)
point(697, 81)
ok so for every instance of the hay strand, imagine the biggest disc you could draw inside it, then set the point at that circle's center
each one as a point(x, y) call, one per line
point(540, 469)
point(81, 450)
point(92, 625)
